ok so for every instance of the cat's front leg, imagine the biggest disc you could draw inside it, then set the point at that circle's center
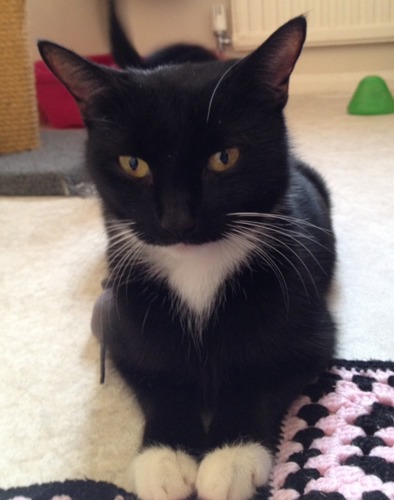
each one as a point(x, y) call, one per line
point(242, 437)
point(239, 461)
point(166, 467)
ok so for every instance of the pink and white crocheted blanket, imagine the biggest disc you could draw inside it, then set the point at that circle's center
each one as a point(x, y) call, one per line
point(337, 439)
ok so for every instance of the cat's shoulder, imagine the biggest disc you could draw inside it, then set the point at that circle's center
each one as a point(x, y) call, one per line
point(304, 172)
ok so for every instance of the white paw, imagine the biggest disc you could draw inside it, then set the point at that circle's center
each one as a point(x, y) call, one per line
point(233, 472)
point(161, 473)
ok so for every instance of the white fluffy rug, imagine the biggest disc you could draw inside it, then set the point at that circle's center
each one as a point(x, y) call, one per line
point(56, 421)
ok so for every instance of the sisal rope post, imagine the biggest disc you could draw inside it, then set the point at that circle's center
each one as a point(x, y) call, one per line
point(19, 126)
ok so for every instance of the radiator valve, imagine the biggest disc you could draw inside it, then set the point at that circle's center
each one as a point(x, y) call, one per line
point(219, 21)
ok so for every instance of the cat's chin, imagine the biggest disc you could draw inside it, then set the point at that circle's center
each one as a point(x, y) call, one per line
point(180, 245)
point(183, 248)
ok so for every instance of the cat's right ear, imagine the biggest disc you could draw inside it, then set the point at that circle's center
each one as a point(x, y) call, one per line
point(82, 78)
point(271, 64)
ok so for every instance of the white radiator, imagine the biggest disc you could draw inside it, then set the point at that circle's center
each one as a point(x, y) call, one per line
point(330, 22)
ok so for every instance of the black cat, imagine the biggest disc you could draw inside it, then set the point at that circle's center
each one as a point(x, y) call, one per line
point(220, 253)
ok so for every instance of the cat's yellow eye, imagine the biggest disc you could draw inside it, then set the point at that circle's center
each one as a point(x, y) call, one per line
point(134, 167)
point(223, 160)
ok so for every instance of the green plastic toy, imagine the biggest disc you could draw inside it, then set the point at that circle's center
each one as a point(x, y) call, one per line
point(372, 97)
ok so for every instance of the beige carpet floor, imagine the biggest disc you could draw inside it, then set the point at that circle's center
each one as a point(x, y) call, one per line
point(56, 421)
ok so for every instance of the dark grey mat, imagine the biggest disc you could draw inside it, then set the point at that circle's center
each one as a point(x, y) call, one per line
point(57, 168)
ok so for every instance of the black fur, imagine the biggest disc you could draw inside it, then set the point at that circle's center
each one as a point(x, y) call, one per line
point(273, 331)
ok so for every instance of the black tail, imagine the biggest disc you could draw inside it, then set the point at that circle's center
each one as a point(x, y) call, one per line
point(125, 54)
point(122, 50)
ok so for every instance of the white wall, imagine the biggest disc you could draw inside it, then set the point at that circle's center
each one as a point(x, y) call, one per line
point(78, 24)
point(81, 25)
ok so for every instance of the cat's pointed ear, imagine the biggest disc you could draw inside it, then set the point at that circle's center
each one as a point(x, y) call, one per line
point(82, 78)
point(277, 56)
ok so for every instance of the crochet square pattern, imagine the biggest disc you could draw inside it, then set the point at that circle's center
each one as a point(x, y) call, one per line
point(337, 439)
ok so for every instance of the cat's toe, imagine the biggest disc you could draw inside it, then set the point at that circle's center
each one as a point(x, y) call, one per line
point(233, 472)
point(161, 473)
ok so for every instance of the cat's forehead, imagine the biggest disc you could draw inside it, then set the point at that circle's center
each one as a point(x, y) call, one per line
point(174, 107)
point(169, 100)
point(180, 77)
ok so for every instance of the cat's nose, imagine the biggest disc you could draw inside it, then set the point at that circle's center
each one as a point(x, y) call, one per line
point(177, 222)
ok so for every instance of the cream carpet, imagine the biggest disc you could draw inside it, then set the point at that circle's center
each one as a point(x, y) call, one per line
point(56, 421)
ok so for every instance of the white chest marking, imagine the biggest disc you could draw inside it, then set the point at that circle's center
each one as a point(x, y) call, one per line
point(196, 272)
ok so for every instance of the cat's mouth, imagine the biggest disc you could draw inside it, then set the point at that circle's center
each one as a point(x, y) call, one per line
point(181, 242)
point(180, 249)
point(180, 245)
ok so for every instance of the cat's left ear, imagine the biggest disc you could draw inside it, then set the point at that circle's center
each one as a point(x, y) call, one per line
point(82, 78)
point(274, 61)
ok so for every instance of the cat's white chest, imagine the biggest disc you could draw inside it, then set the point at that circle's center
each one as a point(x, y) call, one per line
point(196, 273)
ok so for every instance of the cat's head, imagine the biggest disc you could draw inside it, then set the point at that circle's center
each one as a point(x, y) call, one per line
point(175, 150)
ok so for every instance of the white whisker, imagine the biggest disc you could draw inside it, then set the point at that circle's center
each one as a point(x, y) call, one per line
point(275, 231)
point(245, 236)
point(217, 86)
point(282, 217)
point(293, 235)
